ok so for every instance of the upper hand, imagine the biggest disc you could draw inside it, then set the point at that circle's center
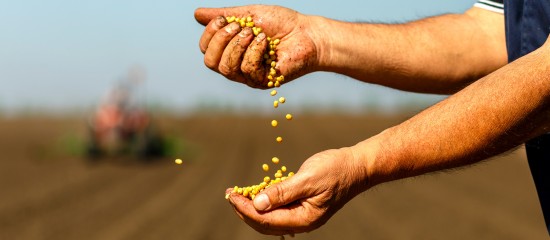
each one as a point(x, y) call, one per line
point(235, 53)
point(305, 201)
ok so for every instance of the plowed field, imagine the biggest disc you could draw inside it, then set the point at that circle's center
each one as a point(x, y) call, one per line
point(47, 191)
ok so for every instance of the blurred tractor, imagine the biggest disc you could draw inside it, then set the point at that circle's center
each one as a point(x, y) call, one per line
point(119, 127)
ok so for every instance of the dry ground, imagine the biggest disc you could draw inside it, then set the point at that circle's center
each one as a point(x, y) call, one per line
point(48, 193)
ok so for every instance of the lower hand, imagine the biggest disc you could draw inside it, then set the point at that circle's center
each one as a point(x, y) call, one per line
point(305, 201)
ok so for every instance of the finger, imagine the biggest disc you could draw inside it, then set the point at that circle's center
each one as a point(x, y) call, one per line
point(298, 217)
point(283, 193)
point(218, 43)
point(278, 222)
point(205, 15)
point(233, 55)
point(252, 66)
point(211, 29)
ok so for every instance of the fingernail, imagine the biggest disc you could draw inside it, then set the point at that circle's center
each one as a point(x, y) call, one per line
point(260, 37)
point(245, 32)
point(232, 27)
point(261, 202)
point(220, 21)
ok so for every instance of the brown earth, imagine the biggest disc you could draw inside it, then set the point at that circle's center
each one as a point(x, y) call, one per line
point(47, 191)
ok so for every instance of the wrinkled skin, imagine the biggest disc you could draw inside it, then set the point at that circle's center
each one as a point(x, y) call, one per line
point(237, 54)
point(324, 183)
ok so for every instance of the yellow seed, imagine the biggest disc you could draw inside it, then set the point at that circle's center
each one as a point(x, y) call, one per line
point(288, 116)
point(270, 77)
point(273, 93)
point(267, 179)
point(271, 52)
point(255, 31)
point(227, 196)
point(275, 160)
point(259, 29)
point(276, 41)
point(178, 161)
point(275, 104)
point(290, 174)
point(269, 39)
point(240, 191)
point(249, 19)
point(278, 175)
point(279, 139)
point(270, 84)
point(283, 178)
point(265, 167)
point(277, 84)
point(283, 168)
point(237, 19)
point(250, 24)
point(230, 19)
point(273, 63)
point(274, 123)
point(235, 189)
point(245, 192)
point(282, 78)
point(242, 22)
point(282, 100)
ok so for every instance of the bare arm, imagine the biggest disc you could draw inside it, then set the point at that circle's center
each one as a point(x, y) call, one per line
point(492, 115)
point(440, 54)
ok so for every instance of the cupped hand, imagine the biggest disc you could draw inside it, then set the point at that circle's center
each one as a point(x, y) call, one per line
point(305, 201)
point(237, 54)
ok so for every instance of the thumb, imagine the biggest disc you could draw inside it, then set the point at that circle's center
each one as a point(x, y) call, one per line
point(281, 194)
point(204, 15)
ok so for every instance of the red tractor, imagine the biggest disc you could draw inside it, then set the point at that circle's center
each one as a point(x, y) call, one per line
point(120, 128)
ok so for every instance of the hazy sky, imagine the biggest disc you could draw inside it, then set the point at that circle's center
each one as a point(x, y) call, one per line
point(64, 53)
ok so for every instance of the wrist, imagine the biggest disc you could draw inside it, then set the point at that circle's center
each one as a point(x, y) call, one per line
point(321, 32)
point(367, 156)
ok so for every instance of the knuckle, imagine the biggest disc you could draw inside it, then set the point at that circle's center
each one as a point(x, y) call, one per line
point(280, 194)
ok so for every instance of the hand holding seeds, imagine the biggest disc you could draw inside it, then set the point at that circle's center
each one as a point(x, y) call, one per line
point(307, 200)
point(238, 51)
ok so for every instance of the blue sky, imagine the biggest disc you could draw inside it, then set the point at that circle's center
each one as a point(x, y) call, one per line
point(65, 54)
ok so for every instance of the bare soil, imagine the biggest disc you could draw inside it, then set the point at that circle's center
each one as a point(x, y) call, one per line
point(49, 191)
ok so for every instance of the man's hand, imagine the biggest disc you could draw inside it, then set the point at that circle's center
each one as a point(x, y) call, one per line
point(235, 53)
point(305, 201)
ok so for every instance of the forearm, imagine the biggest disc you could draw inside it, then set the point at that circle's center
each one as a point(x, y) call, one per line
point(441, 54)
point(490, 116)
